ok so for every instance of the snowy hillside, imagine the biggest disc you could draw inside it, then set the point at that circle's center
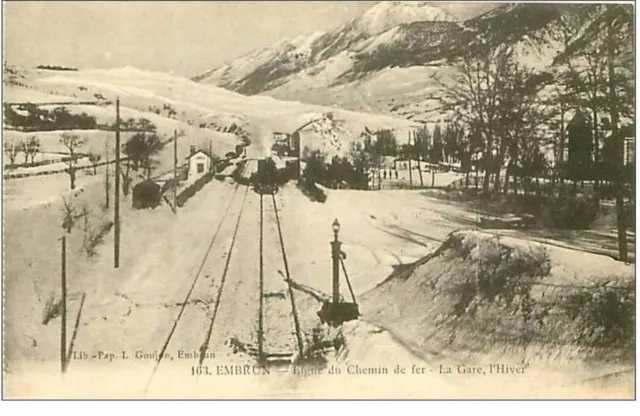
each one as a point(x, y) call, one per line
point(395, 56)
point(201, 112)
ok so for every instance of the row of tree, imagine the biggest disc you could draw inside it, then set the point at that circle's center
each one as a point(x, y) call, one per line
point(346, 172)
point(140, 152)
point(29, 148)
point(31, 117)
point(510, 116)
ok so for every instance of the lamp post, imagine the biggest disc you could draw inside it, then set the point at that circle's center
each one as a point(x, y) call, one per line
point(335, 254)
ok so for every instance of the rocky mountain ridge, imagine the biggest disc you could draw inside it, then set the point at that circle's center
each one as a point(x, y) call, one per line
point(395, 56)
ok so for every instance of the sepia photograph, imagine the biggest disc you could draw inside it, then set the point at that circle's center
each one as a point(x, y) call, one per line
point(340, 200)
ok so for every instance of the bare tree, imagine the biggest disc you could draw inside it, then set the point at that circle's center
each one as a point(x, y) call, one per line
point(474, 98)
point(521, 115)
point(94, 158)
point(12, 148)
point(22, 148)
point(72, 142)
point(608, 38)
point(33, 147)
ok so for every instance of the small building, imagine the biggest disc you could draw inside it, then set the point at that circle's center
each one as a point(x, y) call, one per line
point(284, 144)
point(200, 162)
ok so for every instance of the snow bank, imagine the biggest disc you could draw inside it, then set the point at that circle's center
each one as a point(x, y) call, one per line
point(480, 298)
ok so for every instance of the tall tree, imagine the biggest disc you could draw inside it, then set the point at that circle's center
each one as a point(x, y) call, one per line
point(436, 153)
point(580, 163)
point(451, 143)
point(422, 142)
point(522, 115)
point(141, 150)
point(362, 162)
point(475, 100)
point(608, 34)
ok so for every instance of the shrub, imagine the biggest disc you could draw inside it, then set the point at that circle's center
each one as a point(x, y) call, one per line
point(574, 213)
point(604, 315)
point(52, 309)
point(312, 191)
point(504, 274)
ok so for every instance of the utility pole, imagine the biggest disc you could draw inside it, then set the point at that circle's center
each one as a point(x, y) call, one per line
point(175, 170)
point(410, 156)
point(106, 191)
point(63, 327)
point(116, 205)
point(415, 134)
point(335, 255)
point(211, 156)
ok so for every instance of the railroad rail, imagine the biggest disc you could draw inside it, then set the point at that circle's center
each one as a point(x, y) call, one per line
point(274, 349)
point(205, 344)
point(187, 298)
point(274, 344)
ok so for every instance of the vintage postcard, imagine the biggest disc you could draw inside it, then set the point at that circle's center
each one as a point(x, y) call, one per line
point(318, 200)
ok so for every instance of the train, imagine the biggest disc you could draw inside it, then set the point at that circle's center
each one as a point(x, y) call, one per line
point(265, 175)
point(262, 174)
point(266, 178)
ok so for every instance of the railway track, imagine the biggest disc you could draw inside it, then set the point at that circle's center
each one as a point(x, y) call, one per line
point(277, 340)
point(197, 277)
point(277, 300)
point(205, 344)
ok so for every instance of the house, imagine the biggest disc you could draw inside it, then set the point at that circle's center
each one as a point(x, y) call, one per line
point(200, 162)
point(285, 144)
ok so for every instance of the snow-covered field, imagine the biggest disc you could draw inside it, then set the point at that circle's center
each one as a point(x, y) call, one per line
point(39, 158)
point(133, 308)
point(141, 89)
point(26, 192)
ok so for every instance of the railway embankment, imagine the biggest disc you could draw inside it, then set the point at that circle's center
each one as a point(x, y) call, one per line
point(481, 299)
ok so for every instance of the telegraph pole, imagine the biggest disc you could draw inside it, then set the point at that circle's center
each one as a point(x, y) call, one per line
point(410, 156)
point(213, 168)
point(63, 328)
point(415, 134)
point(106, 145)
point(175, 170)
point(116, 205)
point(335, 256)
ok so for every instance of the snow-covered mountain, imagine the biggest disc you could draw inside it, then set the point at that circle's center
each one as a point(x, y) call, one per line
point(387, 15)
point(395, 56)
point(268, 68)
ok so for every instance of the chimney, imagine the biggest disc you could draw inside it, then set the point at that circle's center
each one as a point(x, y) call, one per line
point(192, 150)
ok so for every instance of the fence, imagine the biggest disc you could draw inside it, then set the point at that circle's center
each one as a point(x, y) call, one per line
point(58, 170)
point(191, 190)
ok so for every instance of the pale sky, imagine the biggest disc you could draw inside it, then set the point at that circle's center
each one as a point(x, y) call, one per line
point(186, 38)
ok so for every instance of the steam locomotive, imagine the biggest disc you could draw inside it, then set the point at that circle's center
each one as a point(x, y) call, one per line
point(265, 179)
